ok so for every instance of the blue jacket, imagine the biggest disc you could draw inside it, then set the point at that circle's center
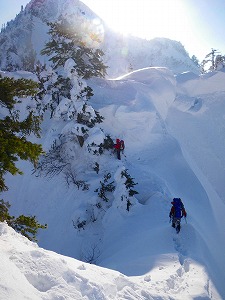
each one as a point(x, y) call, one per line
point(177, 210)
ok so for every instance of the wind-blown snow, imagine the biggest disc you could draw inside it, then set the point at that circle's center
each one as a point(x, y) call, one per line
point(174, 134)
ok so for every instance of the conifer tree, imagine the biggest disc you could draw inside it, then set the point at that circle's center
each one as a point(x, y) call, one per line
point(213, 61)
point(67, 42)
point(27, 226)
point(64, 91)
point(14, 146)
point(72, 62)
point(13, 130)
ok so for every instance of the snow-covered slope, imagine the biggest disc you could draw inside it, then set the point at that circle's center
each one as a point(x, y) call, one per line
point(32, 273)
point(23, 39)
point(174, 137)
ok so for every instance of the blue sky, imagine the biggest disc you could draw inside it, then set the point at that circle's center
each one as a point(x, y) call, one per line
point(10, 8)
point(198, 25)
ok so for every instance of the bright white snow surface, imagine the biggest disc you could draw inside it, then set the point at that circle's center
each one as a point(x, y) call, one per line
point(174, 132)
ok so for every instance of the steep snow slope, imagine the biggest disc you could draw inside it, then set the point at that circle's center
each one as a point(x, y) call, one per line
point(158, 165)
point(170, 139)
point(29, 272)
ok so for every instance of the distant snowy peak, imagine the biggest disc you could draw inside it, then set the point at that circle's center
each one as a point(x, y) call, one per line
point(51, 10)
point(158, 52)
point(23, 39)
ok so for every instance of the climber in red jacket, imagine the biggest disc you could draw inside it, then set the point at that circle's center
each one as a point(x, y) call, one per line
point(119, 146)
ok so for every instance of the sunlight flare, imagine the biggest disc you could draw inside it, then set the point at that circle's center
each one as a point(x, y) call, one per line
point(144, 18)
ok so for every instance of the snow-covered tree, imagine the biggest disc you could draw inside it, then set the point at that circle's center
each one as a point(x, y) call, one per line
point(219, 62)
point(64, 93)
point(213, 61)
point(68, 43)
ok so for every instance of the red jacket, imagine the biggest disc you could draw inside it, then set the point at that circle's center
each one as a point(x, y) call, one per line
point(117, 145)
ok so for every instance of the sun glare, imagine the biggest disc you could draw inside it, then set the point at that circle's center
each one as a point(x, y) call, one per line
point(172, 19)
point(143, 18)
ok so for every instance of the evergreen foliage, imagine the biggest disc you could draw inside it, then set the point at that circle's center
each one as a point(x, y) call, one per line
point(27, 226)
point(66, 94)
point(67, 42)
point(105, 187)
point(51, 84)
point(79, 224)
point(96, 167)
point(14, 146)
point(85, 117)
point(13, 131)
point(56, 85)
point(66, 50)
point(130, 192)
point(108, 143)
point(11, 88)
point(99, 149)
point(129, 183)
point(4, 211)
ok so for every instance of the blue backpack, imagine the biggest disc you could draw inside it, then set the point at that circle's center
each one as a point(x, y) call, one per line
point(178, 205)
